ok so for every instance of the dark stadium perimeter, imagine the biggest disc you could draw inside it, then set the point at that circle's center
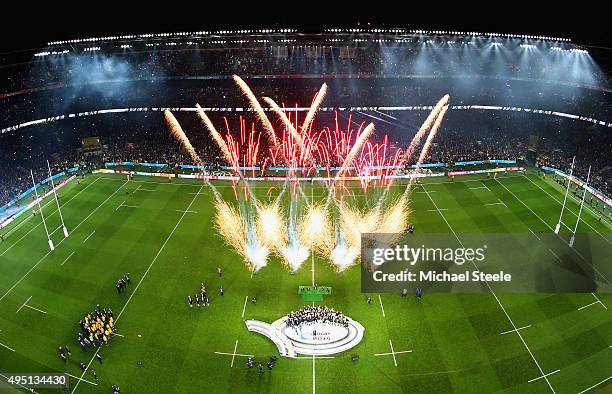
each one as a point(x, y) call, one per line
point(441, 343)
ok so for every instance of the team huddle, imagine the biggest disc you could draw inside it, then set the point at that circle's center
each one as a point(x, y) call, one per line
point(311, 314)
point(98, 327)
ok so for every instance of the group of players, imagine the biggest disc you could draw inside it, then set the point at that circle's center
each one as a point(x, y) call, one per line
point(310, 314)
point(122, 283)
point(251, 362)
point(203, 299)
point(97, 328)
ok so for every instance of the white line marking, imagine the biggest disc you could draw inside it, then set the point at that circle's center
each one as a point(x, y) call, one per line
point(596, 384)
point(234, 354)
point(244, 307)
point(178, 210)
point(129, 206)
point(155, 258)
point(586, 306)
point(387, 354)
point(535, 235)
point(572, 212)
point(36, 309)
point(314, 380)
point(382, 308)
point(543, 376)
point(120, 205)
point(495, 203)
point(551, 229)
point(495, 295)
point(89, 236)
point(84, 380)
point(145, 190)
point(478, 187)
point(436, 210)
point(67, 258)
point(22, 305)
point(237, 354)
point(393, 353)
point(433, 191)
point(598, 300)
point(516, 329)
point(310, 357)
point(3, 345)
point(119, 335)
point(35, 227)
point(554, 254)
point(86, 368)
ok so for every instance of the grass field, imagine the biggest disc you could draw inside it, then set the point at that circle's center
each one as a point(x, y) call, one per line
point(162, 235)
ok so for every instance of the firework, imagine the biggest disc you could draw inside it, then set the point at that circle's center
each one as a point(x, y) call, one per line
point(271, 226)
point(257, 108)
point(177, 132)
point(281, 114)
point(316, 103)
point(315, 229)
point(332, 227)
point(433, 115)
point(240, 235)
point(215, 134)
point(432, 134)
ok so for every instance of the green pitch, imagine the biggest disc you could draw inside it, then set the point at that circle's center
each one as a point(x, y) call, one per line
point(162, 235)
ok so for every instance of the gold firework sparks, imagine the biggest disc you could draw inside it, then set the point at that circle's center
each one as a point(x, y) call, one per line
point(177, 132)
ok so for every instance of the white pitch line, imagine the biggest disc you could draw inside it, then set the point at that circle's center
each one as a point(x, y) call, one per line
point(393, 353)
point(22, 305)
point(67, 258)
point(89, 236)
point(595, 385)
point(387, 354)
point(598, 300)
point(86, 368)
point(4, 346)
point(543, 376)
point(535, 235)
point(551, 229)
point(495, 295)
point(129, 206)
point(35, 227)
point(84, 380)
point(554, 254)
point(310, 357)
point(437, 210)
point(244, 306)
point(478, 187)
point(586, 306)
point(120, 205)
point(382, 308)
point(36, 309)
point(59, 243)
point(234, 354)
point(155, 258)
point(515, 330)
point(433, 191)
point(178, 210)
point(495, 203)
point(119, 335)
point(572, 212)
point(144, 190)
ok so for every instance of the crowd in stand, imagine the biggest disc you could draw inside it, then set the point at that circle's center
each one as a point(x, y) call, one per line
point(465, 136)
point(155, 80)
point(312, 314)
